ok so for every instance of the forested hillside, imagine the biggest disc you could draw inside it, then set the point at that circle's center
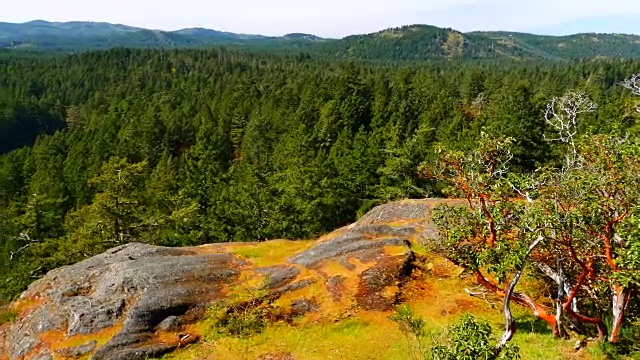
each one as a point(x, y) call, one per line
point(422, 42)
point(414, 43)
point(190, 147)
point(578, 46)
point(81, 36)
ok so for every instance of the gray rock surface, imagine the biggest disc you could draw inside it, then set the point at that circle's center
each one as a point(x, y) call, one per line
point(137, 285)
point(80, 350)
point(144, 297)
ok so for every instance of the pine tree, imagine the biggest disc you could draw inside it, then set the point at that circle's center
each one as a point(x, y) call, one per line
point(117, 213)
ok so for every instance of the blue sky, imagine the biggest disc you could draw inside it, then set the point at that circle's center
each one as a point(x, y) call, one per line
point(337, 18)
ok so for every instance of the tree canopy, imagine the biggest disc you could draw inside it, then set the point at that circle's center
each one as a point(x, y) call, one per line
point(183, 147)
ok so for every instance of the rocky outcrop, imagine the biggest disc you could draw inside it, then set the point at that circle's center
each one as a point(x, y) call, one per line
point(138, 301)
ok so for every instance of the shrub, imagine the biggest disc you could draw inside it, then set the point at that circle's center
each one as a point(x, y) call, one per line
point(470, 339)
point(413, 327)
point(240, 320)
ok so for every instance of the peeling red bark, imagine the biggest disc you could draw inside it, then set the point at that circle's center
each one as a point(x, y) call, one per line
point(521, 299)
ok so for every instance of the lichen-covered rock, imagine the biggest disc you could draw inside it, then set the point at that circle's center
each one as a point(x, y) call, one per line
point(139, 301)
point(135, 287)
point(80, 350)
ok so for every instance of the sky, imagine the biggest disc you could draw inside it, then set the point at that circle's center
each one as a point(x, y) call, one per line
point(339, 18)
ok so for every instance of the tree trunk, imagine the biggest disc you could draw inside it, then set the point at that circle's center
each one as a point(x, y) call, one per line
point(521, 299)
point(621, 297)
point(602, 328)
point(510, 323)
point(547, 270)
point(559, 297)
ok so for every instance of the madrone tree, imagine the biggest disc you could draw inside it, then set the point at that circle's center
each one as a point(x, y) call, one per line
point(494, 236)
point(576, 223)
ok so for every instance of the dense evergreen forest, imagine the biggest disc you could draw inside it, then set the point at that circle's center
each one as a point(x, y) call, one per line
point(185, 147)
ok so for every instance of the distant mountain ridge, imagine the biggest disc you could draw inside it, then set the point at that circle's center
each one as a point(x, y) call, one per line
point(202, 32)
point(424, 42)
point(77, 35)
point(408, 43)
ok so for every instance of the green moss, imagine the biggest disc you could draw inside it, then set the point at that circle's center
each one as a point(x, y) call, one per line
point(7, 316)
point(270, 253)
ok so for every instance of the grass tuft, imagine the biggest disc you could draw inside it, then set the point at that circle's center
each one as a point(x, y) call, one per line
point(7, 316)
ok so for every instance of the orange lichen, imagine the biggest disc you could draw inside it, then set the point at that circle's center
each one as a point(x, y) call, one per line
point(188, 335)
point(24, 306)
point(395, 250)
point(57, 340)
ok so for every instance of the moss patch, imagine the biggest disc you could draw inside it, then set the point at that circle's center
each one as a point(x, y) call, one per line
point(7, 316)
point(262, 254)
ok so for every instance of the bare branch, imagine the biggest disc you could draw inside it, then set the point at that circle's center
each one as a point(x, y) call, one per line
point(633, 84)
point(559, 279)
point(14, 253)
point(511, 324)
point(480, 294)
point(35, 273)
point(562, 115)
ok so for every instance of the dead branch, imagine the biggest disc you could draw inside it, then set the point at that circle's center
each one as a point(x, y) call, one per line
point(14, 253)
point(562, 115)
point(510, 322)
point(633, 84)
point(559, 279)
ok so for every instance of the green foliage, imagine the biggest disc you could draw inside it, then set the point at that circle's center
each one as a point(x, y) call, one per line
point(7, 316)
point(581, 214)
point(243, 324)
point(409, 322)
point(414, 43)
point(629, 257)
point(241, 320)
point(185, 147)
point(115, 215)
point(492, 233)
point(470, 339)
point(413, 327)
point(627, 348)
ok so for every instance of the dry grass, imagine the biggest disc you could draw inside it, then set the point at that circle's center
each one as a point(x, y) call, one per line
point(437, 295)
